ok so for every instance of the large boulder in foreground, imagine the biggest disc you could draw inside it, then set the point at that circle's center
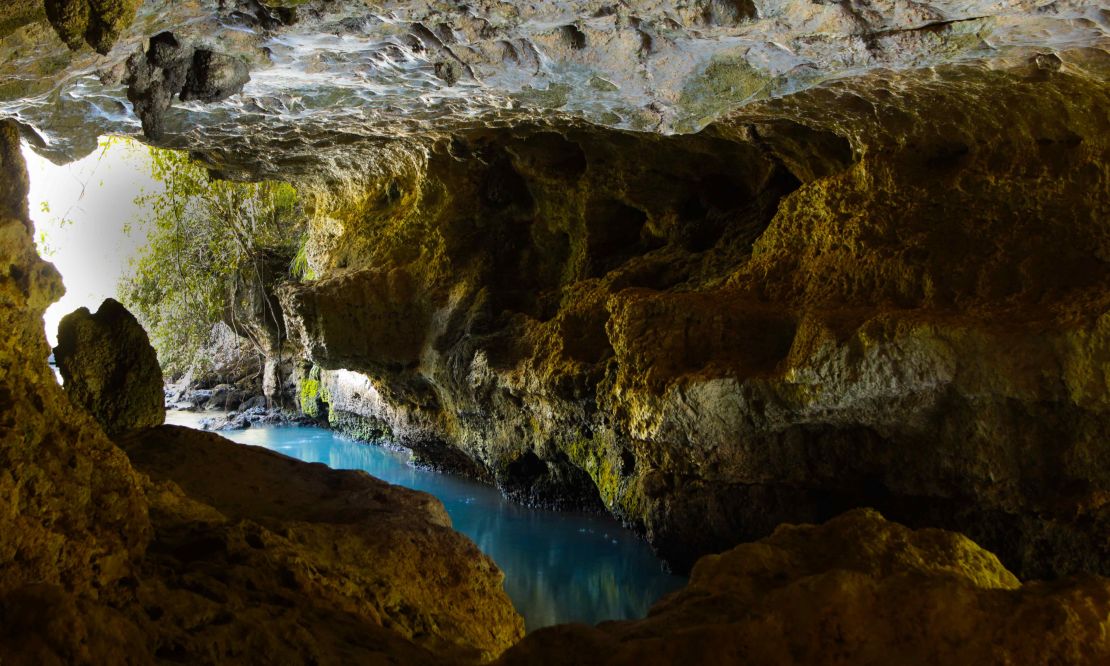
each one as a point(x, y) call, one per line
point(110, 368)
point(856, 590)
point(280, 550)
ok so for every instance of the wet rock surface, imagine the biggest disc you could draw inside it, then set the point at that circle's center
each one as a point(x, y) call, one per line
point(857, 590)
point(404, 68)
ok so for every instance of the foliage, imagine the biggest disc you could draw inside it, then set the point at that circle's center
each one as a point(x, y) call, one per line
point(204, 237)
point(299, 267)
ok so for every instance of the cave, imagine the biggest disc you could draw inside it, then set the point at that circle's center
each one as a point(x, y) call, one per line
point(555, 333)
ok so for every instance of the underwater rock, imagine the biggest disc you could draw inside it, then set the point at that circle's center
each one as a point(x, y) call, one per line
point(856, 590)
point(110, 368)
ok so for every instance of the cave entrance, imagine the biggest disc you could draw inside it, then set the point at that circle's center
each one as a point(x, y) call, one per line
point(87, 221)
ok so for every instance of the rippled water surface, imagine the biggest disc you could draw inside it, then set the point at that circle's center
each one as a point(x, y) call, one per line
point(559, 567)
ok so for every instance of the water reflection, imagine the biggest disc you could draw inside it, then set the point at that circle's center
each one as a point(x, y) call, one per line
point(559, 567)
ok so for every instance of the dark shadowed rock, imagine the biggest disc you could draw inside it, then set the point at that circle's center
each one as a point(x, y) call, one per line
point(97, 23)
point(214, 76)
point(171, 67)
point(110, 368)
point(857, 590)
point(293, 542)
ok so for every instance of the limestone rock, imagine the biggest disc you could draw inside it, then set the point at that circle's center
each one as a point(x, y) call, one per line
point(318, 539)
point(856, 590)
point(261, 559)
point(845, 297)
point(110, 369)
point(74, 518)
point(435, 66)
point(171, 68)
point(96, 23)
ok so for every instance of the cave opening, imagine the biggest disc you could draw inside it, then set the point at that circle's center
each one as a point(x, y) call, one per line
point(807, 299)
point(106, 221)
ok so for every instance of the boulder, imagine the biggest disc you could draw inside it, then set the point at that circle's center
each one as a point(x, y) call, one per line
point(110, 369)
point(282, 544)
point(857, 590)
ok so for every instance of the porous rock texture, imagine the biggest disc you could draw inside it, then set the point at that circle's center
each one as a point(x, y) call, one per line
point(858, 590)
point(73, 515)
point(110, 369)
point(711, 266)
point(209, 553)
point(96, 23)
point(170, 69)
point(888, 291)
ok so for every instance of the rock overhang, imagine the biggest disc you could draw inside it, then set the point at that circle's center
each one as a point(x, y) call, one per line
point(330, 80)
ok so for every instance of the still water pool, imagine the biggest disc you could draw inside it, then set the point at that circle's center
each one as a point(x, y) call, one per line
point(559, 566)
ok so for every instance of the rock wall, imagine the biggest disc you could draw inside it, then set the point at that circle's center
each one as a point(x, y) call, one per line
point(887, 291)
point(197, 550)
point(74, 518)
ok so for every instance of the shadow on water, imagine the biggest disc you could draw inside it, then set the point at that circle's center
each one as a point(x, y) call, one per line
point(559, 566)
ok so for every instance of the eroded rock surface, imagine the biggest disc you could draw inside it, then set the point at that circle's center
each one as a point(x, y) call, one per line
point(352, 75)
point(857, 590)
point(223, 554)
point(860, 295)
point(110, 369)
point(74, 517)
point(337, 542)
point(96, 23)
point(171, 69)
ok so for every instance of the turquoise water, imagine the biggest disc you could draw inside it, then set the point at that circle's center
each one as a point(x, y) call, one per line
point(559, 566)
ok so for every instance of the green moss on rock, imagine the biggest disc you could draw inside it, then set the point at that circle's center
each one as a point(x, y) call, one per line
point(725, 82)
point(98, 23)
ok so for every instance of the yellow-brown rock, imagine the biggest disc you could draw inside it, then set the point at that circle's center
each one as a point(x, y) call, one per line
point(857, 590)
point(889, 290)
point(72, 512)
point(260, 559)
point(336, 541)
